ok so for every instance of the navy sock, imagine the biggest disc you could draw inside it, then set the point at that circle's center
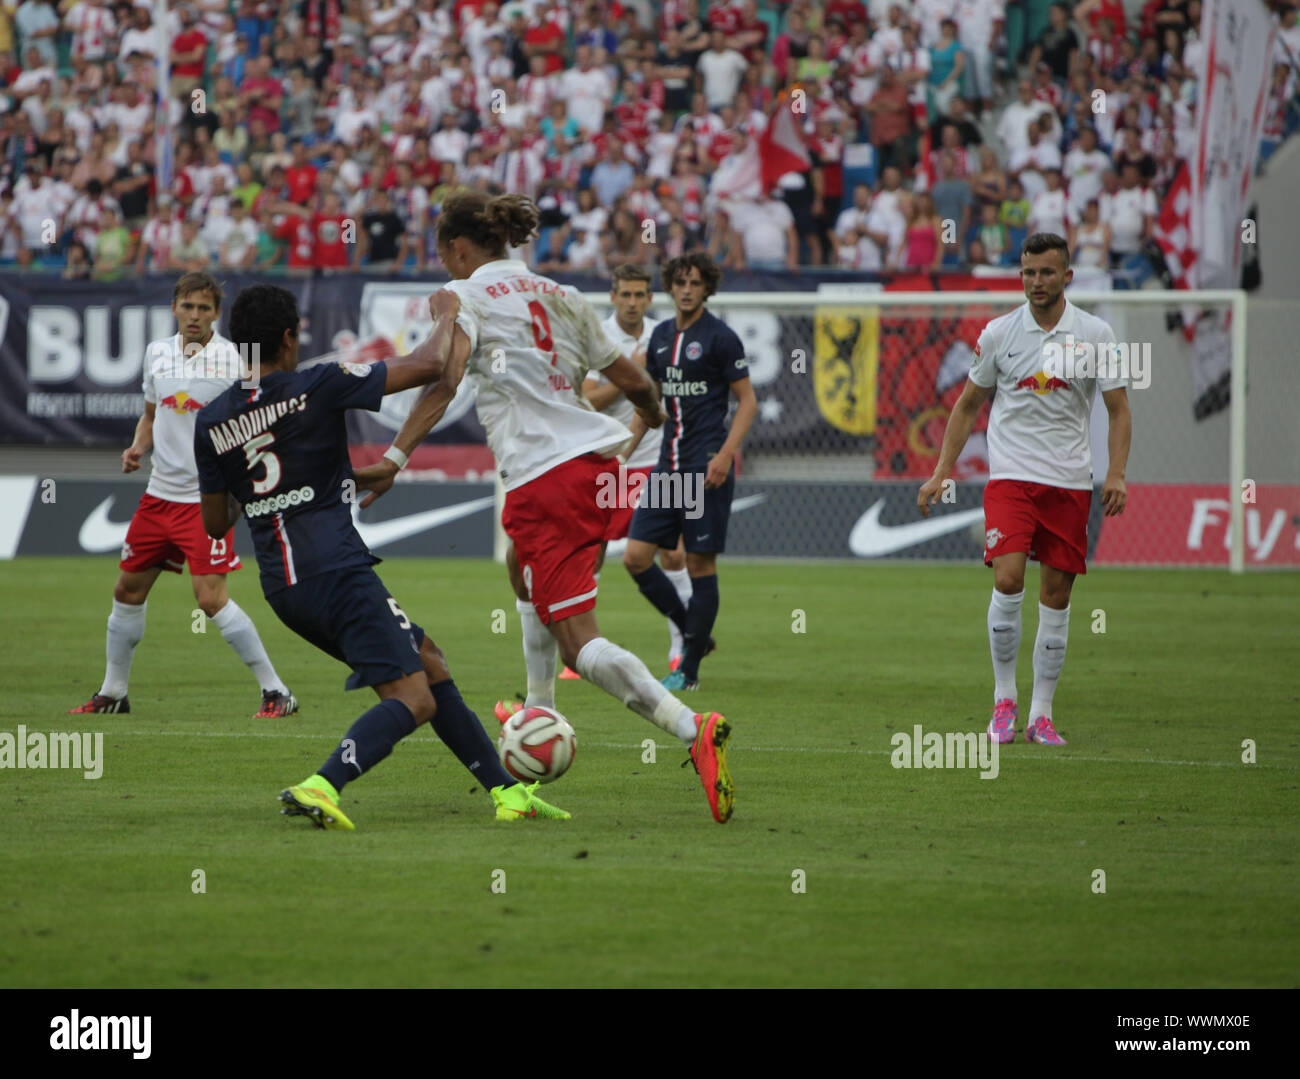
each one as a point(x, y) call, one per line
point(464, 735)
point(659, 590)
point(368, 741)
point(700, 616)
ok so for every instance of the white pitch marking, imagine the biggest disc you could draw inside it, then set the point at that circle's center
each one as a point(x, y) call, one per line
point(744, 748)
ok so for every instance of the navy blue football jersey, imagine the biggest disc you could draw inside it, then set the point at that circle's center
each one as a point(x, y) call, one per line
point(282, 450)
point(695, 368)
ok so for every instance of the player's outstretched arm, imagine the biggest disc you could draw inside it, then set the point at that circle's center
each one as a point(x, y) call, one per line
point(1113, 493)
point(427, 361)
point(423, 418)
point(955, 435)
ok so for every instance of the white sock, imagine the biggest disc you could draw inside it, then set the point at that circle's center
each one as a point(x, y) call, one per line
point(541, 657)
point(125, 631)
point(682, 582)
point(1049, 658)
point(240, 633)
point(1004, 642)
point(619, 673)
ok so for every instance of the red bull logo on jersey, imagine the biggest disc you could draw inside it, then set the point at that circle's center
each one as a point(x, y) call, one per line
point(1042, 383)
point(181, 402)
point(1112, 360)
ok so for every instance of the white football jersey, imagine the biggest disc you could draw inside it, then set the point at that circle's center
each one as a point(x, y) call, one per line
point(646, 454)
point(1038, 429)
point(178, 386)
point(532, 343)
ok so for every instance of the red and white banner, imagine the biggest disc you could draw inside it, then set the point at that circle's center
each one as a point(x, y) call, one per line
point(781, 147)
point(1186, 524)
point(753, 172)
point(1233, 83)
point(1173, 232)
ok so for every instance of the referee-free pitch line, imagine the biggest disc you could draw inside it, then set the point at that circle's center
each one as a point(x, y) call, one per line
point(1063, 757)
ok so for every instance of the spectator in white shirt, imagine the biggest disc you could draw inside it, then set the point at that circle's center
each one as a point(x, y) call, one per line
point(1131, 216)
point(1083, 168)
point(1090, 239)
point(130, 112)
point(159, 236)
point(93, 27)
point(238, 247)
point(139, 37)
point(979, 22)
point(765, 232)
point(1287, 49)
point(720, 69)
point(1028, 163)
point(34, 210)
point(37, 24)
point(449, 142)
point(586, 91)
point(212, 211)
point(1013, 125)
point(1049, 209)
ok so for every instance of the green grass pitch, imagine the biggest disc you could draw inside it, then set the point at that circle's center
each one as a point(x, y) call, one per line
point(912, 877)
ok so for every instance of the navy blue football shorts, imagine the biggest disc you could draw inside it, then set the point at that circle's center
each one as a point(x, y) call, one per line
point(351, 616)
point(668, 510)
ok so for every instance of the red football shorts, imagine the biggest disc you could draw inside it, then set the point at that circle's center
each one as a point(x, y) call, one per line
point(557, 523)
point(1050, 524)
point(170, 534)
point(621, 521)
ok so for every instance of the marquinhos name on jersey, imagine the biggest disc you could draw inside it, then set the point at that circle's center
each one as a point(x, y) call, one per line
point(235, 432)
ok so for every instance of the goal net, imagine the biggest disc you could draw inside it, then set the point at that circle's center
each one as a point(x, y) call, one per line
point(854, 389)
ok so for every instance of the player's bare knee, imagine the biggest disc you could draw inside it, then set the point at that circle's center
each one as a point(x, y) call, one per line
point(701, 565)
point(420, 701)
point(671, 561)
point(1056, 598)
point(435, 662)
point(635, 562)
point(210, 605)
point(1008, 583)
point(131, 596)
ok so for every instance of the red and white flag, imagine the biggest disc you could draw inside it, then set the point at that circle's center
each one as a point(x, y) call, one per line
point(781, 147)
point(752, 172)
point(1173, 232)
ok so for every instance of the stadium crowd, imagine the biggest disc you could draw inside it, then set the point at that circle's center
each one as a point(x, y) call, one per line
point(323, 135)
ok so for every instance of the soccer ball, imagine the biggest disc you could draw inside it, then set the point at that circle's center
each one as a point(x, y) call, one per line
point(537, 744)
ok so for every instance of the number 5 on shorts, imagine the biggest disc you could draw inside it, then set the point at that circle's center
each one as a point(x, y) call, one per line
point(402, 620)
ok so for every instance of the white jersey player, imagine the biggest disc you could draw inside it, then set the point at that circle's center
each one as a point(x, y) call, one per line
point(528, 344)
point(1046, 360)
point(181, 374)
point(630, 330)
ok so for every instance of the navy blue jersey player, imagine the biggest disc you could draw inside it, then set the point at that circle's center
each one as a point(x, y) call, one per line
point(279, 450)
point(699, 364)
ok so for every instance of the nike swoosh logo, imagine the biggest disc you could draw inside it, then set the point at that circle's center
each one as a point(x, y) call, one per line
point(379, 533)
point(99, 534)
point(871, 539)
